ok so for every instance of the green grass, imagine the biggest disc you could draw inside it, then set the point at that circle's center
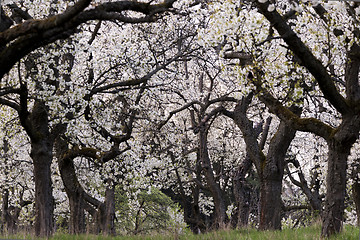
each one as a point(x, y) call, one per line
point(308, 233)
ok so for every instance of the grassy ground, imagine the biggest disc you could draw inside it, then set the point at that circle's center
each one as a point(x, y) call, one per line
point(308, 233)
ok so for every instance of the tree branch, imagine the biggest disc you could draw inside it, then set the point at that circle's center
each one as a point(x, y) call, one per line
point(302, 124)
point(32, 34)
point(312, 64)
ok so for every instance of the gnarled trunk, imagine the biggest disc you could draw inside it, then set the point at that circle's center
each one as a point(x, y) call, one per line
point(214, 187)
point(72, 188)
point(339, 146)
point(242, 195)
point(103, 213)
point(10, 214)
point(271, 175)
point(41, 154)
point(270, 169)
point(75, 195)
point(333, 214)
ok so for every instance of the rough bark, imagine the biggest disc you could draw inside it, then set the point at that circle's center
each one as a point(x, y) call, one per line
point(76, 199)
point(270, 204)
point(214, 187)
point(340, 139)
point(190, 204)
point(41, 154)
point(339, 146)
point(72, 188)
point(108, 214)
point(336, 188)
point(102, 212)
point(270, 169)
point(79, 200)
point(271, 178)
point(10, 214)
point(77, 213)
point(356, 199)
point(196, 217)
point(241, 190)
point(242, 194)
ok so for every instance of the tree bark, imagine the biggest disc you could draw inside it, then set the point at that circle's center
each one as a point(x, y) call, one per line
point(333, 214)
point(76, 197)
point(190, 204)
point(72, 188)
point(77, 213)
point(108, 227)
point(356, 199)
point(10, 214)
point(103, 213)
point(339, 146)
point(270, 204)
point(241, 191)
point(41, 154)
point(219, 202)
point(313, 196)
point(271, 178)
point(339, 139)
point(270, 169)
point(242, 194)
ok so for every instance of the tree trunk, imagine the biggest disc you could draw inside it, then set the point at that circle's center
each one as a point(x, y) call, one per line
point(219, 203)
point(41, 154)
point(72, 188)
point(339, 146)
point(242, 194)
point(77, 213)
point(270, 169)
point(356, 199)
point(108, 227)
point(356, 188)
point(44, 202)
point(103, 213)
point(5, 218)
point(336, 187)
point(271, 175)
point(195, 214)
point(270, 204)
point(76, 199)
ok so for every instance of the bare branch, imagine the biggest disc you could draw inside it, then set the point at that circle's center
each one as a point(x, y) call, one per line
point(172, 113)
